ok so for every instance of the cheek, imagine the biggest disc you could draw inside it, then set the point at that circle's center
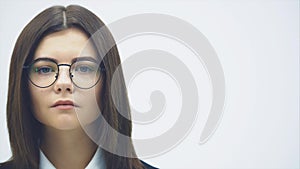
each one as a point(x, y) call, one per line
point(98, 92)
point(95, 98)
point(98, 95)
point(89, 100)
point(38, 100)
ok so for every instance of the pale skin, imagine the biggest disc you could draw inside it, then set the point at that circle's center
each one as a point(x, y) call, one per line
point(64, 142)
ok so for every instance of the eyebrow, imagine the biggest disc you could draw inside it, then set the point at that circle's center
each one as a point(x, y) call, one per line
point(82, 58)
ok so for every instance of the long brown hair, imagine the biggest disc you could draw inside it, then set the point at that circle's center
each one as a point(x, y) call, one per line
point(24, 129)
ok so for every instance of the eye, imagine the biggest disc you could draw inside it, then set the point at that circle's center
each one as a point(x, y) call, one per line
point(44, 70)
point(84, 69)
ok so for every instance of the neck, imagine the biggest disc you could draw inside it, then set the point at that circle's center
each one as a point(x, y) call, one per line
point(68, 149)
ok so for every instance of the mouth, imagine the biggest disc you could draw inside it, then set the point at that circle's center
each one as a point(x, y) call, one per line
point(64, 105)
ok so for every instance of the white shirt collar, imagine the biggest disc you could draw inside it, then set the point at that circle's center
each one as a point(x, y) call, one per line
point(96, 162)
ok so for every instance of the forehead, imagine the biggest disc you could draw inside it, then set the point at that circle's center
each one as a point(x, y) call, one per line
point(65, 45)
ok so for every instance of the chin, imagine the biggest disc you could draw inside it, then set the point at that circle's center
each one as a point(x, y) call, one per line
point(67, 127)
point(66, 123)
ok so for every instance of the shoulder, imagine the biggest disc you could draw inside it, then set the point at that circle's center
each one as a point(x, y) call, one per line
point(147, 166)
point(6, 165)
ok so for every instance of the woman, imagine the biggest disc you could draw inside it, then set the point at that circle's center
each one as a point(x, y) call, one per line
point(55, 75)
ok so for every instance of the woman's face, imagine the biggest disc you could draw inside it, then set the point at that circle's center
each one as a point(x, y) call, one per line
point(62, 105)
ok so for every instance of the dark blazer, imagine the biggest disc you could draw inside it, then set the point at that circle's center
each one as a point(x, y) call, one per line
point(8, 165)
point(146, 166)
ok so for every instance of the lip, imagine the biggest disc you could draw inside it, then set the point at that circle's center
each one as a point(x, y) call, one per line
point(64, 105)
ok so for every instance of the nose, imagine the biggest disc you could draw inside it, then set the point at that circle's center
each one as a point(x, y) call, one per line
point(63, 82)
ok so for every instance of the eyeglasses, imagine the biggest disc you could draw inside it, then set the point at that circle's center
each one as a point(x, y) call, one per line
point(84, 72)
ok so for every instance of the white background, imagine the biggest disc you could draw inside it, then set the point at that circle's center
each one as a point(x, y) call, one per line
point(258, 46)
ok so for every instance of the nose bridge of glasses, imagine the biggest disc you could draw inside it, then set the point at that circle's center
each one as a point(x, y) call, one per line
point(64, 72)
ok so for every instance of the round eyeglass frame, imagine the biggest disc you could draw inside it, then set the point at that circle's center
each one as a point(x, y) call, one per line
point(101, 69)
